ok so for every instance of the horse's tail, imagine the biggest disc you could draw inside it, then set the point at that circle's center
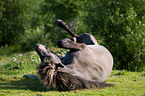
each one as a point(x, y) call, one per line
point(64, 81)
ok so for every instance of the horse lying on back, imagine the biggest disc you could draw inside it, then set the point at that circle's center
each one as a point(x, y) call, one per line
point(86, 65)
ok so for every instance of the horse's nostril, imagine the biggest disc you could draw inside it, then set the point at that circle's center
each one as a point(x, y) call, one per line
point(59, 44)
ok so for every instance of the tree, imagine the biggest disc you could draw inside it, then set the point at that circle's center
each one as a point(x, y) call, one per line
point(121, 25)
point(66, 10)
point(15, 18)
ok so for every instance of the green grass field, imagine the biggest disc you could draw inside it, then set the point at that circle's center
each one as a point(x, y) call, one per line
point(12, 82)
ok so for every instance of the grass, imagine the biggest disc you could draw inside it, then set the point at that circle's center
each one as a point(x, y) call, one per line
point(12, 82)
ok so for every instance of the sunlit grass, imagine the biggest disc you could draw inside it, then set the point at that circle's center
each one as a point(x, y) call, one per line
point(12, 82)
point(26, 63)
point(22, 61)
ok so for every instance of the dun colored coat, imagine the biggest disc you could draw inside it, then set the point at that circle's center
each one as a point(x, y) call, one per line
point(86, 65)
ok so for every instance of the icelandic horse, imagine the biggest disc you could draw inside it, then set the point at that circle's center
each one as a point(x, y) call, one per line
point(86, 65)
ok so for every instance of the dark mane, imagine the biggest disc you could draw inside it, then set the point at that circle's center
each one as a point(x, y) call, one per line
point(63, 81)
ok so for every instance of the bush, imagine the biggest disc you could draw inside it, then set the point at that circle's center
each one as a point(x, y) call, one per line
point(121, 25)
point(15, 17)
point(65, 10)
point(31, 38)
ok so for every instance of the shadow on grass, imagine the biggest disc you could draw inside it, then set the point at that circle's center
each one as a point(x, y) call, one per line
point(24, 84)
point(29, 84)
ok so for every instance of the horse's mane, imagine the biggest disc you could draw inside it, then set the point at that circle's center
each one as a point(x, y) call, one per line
point(58, 80)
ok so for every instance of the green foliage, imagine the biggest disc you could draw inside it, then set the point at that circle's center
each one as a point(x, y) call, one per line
point(118, 25)
point(121, 25)
point(30, 39)
point(64, 9)
point(1, 8)
point(15, 17)
point(51, 10)
point(8, 50)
